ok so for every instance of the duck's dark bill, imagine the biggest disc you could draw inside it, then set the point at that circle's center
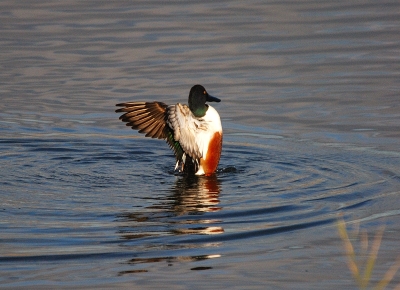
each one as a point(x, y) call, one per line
point(213, 99)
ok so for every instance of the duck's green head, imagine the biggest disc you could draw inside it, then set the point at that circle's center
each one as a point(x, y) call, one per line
point(198, 97)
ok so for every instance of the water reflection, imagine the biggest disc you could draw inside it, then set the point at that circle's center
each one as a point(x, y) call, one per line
point(154, 232)
point(196, 194)
point(169, 261)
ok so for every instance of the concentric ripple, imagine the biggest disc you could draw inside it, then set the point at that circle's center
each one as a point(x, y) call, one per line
point(259, 190)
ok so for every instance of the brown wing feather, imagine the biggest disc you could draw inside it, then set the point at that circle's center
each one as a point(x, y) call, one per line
point(151, 118)
point(147, 117)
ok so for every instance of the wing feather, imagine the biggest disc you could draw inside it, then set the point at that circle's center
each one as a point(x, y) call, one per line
point(182, 121)
point(175, 124)
point(154, 131)
point(147, 117)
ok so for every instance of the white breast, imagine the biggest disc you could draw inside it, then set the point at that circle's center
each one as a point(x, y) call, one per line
point(211, 123)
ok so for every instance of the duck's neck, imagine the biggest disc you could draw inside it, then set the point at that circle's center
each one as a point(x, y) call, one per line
point(200, 112)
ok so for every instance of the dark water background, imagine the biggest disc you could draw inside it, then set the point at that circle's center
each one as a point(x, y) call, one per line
point(311, 115)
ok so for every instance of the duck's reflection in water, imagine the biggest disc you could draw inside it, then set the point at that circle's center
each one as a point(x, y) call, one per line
point(196, 194)
point(156, 231)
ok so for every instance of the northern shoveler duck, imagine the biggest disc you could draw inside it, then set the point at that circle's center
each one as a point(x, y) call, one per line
point(193, 132)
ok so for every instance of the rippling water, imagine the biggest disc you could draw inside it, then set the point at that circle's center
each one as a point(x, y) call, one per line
point(310, 110)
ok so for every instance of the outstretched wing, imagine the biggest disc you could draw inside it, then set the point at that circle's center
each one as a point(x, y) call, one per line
point(147, 117)
point(150, 118)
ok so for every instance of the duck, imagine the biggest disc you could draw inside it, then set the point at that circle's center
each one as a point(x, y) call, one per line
point(193, 131)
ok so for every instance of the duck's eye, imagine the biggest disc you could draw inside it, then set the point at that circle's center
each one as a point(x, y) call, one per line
point(205, 92)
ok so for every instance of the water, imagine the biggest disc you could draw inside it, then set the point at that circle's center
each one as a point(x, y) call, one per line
point(310, 111)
